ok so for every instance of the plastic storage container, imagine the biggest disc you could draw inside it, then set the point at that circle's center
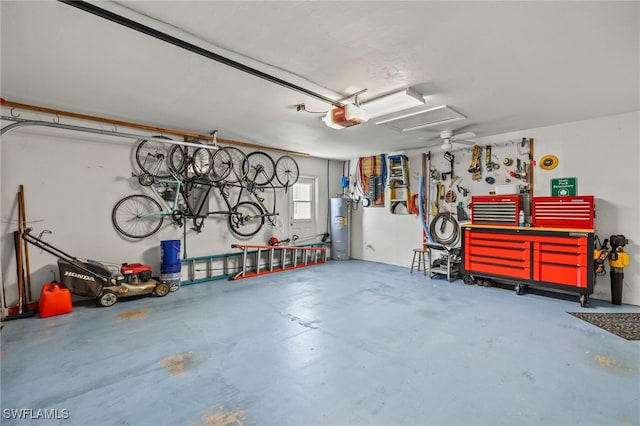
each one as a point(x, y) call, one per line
point(170, 252)
point(170, 269)
point(54, 300)
point(172, 279)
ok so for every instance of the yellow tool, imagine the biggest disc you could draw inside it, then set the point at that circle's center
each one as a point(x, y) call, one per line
point(548, 162)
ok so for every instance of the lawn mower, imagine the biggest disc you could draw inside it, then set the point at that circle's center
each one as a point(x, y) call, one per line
point(105, 282)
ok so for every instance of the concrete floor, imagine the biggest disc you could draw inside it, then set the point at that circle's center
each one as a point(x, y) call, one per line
point(346, 343)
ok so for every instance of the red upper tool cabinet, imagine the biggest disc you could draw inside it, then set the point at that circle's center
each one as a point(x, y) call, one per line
point(563, 212)
point(555, 258)
point(495, 209)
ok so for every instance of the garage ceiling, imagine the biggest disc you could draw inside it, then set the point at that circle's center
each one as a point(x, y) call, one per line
point(506, 66)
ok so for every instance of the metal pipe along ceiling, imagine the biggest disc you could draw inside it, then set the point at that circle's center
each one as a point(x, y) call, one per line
point(19, 122)
point(118, 19)
point(22, 123)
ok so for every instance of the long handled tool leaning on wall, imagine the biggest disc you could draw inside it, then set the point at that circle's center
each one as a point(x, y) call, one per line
point(22, 264)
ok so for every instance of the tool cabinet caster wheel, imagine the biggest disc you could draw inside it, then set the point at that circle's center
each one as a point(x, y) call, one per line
point(107, 299)
point(584, 300)
point(520, 289)
point(468, 279)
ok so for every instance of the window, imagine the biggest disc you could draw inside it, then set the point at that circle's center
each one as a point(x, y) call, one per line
point(302, 200)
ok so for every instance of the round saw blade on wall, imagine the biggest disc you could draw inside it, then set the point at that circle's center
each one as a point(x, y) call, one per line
point(548, 162)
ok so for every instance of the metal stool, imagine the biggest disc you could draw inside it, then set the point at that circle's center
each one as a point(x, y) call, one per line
point(419, 252)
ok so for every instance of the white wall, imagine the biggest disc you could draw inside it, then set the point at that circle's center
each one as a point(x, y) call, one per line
point(603, 154)
point(72, 181)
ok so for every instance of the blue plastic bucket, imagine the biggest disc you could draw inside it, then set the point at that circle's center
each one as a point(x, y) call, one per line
point(170, 269)
point(170, 252)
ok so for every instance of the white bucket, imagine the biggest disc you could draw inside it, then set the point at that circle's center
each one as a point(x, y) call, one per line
point(172, 279)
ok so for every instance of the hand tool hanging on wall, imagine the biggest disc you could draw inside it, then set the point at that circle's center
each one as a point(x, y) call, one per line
point(426, 160)
point(488, 162)
point(449, 157)
point(450, 196)
point(461, 213)
point(475, 168)
point(531, 163)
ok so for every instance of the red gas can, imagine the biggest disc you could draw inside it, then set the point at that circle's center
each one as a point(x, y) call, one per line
point(54, 300)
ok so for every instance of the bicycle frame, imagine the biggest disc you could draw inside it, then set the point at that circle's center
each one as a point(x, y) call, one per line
point(167, 209)
point(248, 184)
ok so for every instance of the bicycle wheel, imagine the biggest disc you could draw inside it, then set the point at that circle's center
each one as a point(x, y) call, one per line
point(221, 165)
point(228, 163)
point(137, 216)
point(287, 171)
point(202, 161)
point(152, 157)
point(178, 159)
point(261, 167)
point(246, 219)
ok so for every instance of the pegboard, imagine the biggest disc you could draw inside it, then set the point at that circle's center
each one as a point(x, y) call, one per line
point(507, 155)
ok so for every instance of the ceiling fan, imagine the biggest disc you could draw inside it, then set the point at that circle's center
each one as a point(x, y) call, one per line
point(448, 137)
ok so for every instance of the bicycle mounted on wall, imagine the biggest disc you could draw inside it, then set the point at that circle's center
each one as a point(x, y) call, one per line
point(182, 179)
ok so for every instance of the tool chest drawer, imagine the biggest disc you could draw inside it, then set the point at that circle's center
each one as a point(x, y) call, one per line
point(573, 275)
point(575, 254)
point(507, 269)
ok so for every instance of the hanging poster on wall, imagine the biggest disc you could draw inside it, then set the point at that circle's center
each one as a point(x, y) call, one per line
point(563, 187)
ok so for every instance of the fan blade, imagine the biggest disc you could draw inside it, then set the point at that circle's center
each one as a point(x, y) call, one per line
point(465, 135)
point(431, 145)
point(463, 142)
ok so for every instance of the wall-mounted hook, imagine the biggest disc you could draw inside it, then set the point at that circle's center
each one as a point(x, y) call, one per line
point(214, 134)
point(56, 120)
point(14, 114)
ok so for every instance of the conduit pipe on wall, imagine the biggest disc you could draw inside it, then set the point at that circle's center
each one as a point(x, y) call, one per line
point(136, 26)
point(161, 130)
point(23, 123)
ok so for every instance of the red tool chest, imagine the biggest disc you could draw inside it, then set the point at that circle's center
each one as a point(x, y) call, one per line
point(551, 258)
point(495, 209)
point(563, 212)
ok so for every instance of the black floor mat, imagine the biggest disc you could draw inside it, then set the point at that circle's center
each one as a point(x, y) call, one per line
point(625, 325)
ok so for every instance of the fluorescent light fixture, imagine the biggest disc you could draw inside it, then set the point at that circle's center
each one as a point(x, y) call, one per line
point(393, 102)
point(421, 119)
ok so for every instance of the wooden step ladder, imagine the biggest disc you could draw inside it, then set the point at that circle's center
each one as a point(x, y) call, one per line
point(399, 191)
point(262, 260)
